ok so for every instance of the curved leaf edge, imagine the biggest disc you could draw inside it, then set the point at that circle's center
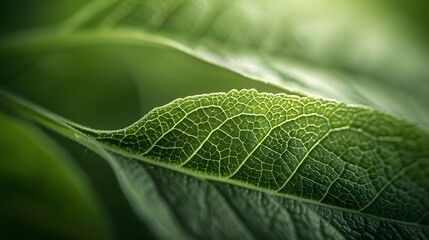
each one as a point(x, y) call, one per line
point(85, 136)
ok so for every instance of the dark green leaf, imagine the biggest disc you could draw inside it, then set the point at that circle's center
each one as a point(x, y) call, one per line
point(42, 192)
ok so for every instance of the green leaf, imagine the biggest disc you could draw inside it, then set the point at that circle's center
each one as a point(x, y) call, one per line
point(310, 149)
point(361, 52)
point(191, 207)
point(43, 193)
point(212, 210)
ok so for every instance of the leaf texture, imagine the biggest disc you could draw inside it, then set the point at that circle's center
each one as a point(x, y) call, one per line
point(181, 206)
point(212, 210)
point(321, 151)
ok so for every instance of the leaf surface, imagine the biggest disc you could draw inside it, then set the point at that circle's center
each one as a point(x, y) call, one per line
point(215, 210)
point(321, 151)
point(190, 207)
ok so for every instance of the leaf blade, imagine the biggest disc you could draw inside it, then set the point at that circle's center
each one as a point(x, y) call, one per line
point(319, 151)
point(359, 66)
point(247, 202)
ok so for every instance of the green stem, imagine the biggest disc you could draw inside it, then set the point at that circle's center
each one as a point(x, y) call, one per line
point(38, 114)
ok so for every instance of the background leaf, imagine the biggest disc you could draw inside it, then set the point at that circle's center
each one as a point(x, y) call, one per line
point(370, 52)
point(43, 192)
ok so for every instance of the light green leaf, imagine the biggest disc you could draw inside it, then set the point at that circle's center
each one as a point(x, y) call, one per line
point(362, 52)
point(42, 193)
point(190, 207)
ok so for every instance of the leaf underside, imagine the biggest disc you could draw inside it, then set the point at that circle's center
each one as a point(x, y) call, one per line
point(320, 151)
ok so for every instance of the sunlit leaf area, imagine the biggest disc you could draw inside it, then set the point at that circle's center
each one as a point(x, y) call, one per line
point(221, 119)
